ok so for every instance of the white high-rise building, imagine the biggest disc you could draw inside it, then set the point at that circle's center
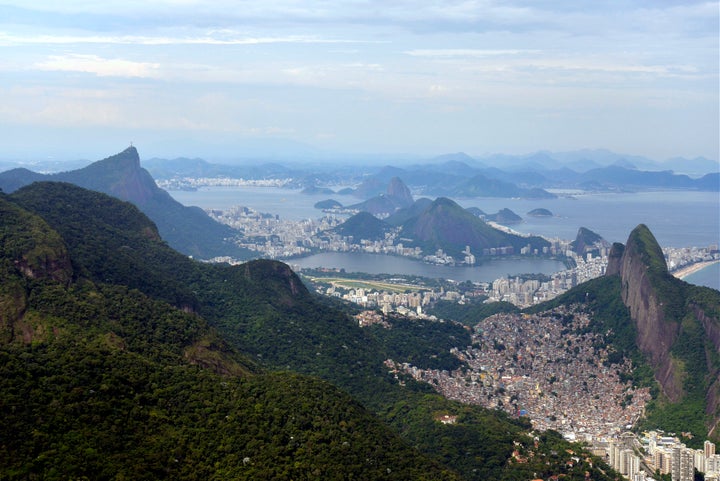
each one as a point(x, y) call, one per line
point(709, 449)
point(683, 463)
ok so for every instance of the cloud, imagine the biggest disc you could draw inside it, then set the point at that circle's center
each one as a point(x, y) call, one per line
point(214, 37)
point(465, 52)
point(102, 67)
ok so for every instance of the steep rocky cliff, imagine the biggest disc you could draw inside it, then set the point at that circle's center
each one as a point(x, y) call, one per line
point(678, 329)
point(187, 229)
point(641, 263)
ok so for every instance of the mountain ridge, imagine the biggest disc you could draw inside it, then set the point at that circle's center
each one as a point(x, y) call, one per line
point(188, 229)
point(446, 225)
point(678, 325)
point(120, 377)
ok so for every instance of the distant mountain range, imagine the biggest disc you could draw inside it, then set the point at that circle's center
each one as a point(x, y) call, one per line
point(460, 175)
point(188, 229)
point(531, 180)
point(432, 225)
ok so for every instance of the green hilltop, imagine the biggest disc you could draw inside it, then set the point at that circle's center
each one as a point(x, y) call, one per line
point(187, 229)
point(668, 328)
point(446, 225)
point(123, 359)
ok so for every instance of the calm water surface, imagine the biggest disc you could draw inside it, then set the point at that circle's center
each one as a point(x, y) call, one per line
point(677, 219)
point(382, 264)
point(708, 277)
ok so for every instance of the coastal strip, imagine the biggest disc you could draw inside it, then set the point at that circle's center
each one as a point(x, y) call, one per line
point(685, 271)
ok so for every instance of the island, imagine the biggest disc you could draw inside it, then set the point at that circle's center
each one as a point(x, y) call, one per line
point(540, 213)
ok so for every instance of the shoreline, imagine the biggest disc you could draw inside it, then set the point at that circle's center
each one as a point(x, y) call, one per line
point(685, 271)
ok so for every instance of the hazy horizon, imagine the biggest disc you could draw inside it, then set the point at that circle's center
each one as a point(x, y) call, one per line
point(82, 80)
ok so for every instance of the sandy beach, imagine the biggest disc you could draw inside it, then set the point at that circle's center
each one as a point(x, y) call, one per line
point(685, 271)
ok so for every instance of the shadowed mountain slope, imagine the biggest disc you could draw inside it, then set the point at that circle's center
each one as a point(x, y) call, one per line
point(187, 229)
point(446, 225)
point(669, 329)
point(113, 374)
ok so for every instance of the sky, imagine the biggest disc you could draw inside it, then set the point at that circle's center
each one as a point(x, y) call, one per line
point(84, 79)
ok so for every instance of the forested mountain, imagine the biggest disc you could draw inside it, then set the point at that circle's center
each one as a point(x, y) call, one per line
point(447, 226)
point(122, 359)
point(187, 229)
point(669, 329)
point(363, 225)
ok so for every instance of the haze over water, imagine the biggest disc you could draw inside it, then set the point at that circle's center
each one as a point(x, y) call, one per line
point(677, 219)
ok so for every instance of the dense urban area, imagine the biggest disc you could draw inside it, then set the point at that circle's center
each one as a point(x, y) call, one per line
point(274, 238)
point(547, 368)
point(543, 366)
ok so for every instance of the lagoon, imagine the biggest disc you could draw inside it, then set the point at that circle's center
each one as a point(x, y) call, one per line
point(488, 271)
point(677, 219)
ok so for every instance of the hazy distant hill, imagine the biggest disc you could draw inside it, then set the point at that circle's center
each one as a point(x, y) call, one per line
point(540, 212)
point(482, 186)
point(446, 225)
point(587, 241)
point(397, 196)
point(505, 217)
point(188, 229)
point(183, 167)
point(363, 225)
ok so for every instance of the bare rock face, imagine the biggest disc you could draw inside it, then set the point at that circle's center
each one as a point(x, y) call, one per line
point(665, 311)
point(640, 262)
point(615, 259)
point(400, 192)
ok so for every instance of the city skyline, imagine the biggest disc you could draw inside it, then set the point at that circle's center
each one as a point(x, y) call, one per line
point(190, 78)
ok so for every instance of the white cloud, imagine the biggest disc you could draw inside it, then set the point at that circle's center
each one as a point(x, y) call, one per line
point(102, 67)
point(212, 38)
point(466, 52)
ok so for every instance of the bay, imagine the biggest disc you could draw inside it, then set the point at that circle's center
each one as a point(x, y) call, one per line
point(289, 204)
point(488, 271)
point(708, 277)
point(676, 218)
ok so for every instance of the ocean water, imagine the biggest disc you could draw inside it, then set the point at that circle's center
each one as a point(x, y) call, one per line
point(488, 271)
point(708, 277)
point(677, 219)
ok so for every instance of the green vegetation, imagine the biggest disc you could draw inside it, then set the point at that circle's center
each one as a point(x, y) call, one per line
point(145, 364)
point(422, 343)
point(101, 381)
point(447, 226)
point(470, 313)
point(363, 225)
